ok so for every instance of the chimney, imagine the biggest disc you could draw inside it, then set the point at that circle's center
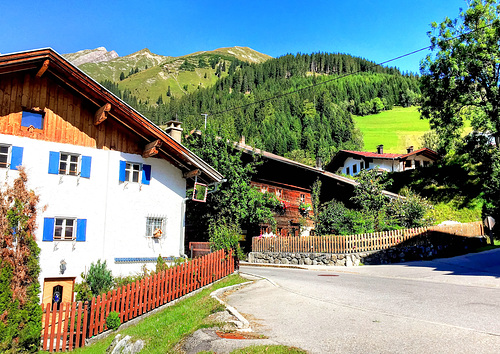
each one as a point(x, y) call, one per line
point(380, 149)
point(319, 163)
point(409, 149)
point(174, 130)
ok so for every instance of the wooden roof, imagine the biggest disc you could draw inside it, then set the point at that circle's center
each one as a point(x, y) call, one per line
point(48, 62)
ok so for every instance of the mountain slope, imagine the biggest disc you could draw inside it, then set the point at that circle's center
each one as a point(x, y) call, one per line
point(91, 56)
point(148, 76)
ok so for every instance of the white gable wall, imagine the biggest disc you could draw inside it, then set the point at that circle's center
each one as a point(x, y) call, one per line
point(115, 211)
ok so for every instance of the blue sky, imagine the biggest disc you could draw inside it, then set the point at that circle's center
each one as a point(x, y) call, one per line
point(375, 30)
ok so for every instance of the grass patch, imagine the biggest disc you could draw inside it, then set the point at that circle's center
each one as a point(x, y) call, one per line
point(395, 129)
point(496, 244)
point(278, 349)
point(163, 330)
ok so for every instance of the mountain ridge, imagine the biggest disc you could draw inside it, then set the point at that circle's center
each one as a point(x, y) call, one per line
point(148, 76)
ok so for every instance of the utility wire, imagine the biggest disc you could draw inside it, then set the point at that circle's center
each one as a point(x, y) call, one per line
point(342, 76)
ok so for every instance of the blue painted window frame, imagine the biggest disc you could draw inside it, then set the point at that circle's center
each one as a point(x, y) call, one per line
point(35, 119)
point(49, 225)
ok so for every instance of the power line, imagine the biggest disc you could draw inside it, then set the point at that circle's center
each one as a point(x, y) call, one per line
point(341, 76)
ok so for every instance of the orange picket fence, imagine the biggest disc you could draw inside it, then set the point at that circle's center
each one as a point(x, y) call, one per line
point(66, 327)
point(358, 243)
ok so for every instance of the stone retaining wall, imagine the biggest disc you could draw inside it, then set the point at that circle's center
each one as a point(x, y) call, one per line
point(424, 248)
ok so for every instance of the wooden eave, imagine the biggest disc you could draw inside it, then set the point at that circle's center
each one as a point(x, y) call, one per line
point(79, 82)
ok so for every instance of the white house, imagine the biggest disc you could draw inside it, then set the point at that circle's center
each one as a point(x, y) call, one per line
point(352, 162)
point(113, 183)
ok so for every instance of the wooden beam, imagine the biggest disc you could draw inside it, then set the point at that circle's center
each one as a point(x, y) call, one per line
point(191, 174)
point(151, 149)
point(43, 69)
point(102, 114)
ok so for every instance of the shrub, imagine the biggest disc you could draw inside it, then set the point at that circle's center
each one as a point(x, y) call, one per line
point(20, 312)
point(113, 320)
point(97, 281)
point(225, 235)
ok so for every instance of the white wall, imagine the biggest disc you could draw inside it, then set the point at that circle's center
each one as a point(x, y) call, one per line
point(116, 212)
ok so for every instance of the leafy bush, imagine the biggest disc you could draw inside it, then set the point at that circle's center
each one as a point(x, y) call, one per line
point(336, 219)
point(113, 320)
point(411, 210)
point(97, 281)
point(225, 235)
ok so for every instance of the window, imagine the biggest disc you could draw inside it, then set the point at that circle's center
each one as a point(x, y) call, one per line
point(361, 165)
point(134, 172)
point(4, 156)
point(263, 189)
point(426, 163)
point(279, 192)
point(64, 229)
point(302, 198)
point(32, 119)
point(408, 163)
point(155, 226)
point(417, 163)
point(11, 156)
point(68, 164)
point(347, 171)
point(64, 163)
point(355, 168)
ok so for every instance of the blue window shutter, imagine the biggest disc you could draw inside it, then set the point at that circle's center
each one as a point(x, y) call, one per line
point(85, 170)
point(54, 163)
point(48, 229)
point(16, 157)
point(123, 165)
point(81, 229)
point(146, 174)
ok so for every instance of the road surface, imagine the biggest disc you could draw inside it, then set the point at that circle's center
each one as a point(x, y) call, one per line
point(442, 306)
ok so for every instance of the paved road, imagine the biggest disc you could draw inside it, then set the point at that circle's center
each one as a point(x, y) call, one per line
point(444, 306)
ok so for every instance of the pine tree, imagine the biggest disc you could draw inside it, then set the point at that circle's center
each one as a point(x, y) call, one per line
point(122, 76)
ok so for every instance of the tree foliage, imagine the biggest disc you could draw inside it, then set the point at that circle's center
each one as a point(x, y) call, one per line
point(20, 312)
point(97, 281)
point(461, 80)
point(235, 199)
point(374, 211)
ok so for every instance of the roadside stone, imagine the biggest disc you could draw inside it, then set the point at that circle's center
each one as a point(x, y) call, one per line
point(307, 261)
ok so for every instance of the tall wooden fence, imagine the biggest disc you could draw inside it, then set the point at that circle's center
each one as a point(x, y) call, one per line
point(358, 243)
point(67, 327)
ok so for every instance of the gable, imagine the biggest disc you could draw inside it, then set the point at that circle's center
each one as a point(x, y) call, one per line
point(67, 117)
point(82, 112)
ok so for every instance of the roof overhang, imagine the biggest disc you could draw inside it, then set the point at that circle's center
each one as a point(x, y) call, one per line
point(52, 63)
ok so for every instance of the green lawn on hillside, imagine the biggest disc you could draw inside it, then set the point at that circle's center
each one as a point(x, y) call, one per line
point(395, 129)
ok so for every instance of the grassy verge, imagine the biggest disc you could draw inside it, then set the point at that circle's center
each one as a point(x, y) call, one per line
point(268, 349)
point(163, 330)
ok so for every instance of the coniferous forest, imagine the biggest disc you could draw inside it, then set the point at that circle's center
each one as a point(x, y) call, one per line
point(298, 106)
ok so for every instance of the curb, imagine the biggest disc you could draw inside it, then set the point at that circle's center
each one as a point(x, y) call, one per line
point(270, 265)
point(244, 325)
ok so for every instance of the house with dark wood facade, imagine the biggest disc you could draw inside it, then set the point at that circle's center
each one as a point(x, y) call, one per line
point(113, 183)
point(292, 183)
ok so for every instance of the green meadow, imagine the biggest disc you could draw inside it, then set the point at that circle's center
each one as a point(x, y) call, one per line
point(395, 129)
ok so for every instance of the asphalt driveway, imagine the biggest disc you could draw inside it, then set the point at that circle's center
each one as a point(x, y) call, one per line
point(443, 306)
